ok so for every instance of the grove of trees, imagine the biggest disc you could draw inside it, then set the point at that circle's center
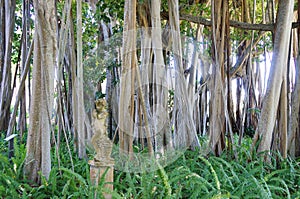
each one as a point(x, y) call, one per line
point(195, 75)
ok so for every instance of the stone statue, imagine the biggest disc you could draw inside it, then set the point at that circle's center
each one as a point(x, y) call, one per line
point(102, 144)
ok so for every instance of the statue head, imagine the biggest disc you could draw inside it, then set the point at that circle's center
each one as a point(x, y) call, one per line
point(100, 105)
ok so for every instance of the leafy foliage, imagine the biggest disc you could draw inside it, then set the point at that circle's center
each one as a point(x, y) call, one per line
point(195, 176)
point(190, 176)
point(62, 182)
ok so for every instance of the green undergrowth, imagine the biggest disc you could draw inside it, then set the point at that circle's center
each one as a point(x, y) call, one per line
point(196, 176)
point(192, 175)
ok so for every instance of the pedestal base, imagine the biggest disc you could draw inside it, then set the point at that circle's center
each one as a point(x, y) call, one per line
point(97, 170)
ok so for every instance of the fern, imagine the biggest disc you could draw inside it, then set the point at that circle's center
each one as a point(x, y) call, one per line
point(229, 166)
point(164, 178)
point(190, 176)
point(213, 172)
point(280, 181)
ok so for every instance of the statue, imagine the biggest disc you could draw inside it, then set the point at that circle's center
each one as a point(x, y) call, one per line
point(102, 144)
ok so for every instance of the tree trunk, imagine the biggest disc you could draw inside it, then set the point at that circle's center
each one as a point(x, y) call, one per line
point(7, 14)
point(277, 71)
point(79, 93)
point(294, 127)
point(126, 101)
point(25, 47)
point(160, 111)
point(38, 156)
point(2, 37)
point(185, 134)
point(217, 113)
point(282, 124)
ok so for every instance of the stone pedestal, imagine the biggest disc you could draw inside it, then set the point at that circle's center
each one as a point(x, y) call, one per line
point(96, 172)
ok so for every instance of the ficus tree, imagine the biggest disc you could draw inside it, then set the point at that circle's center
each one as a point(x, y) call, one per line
point(38, 157)
point(277, 79)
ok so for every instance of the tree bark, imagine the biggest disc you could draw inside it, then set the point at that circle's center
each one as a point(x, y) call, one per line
point(185, 132)
point(217, 111)
point(38, 156)
point(126, 101)
point(160, 115)
point(79, 93)
point(294, 127)
point(7, 13)
point(25, 48)
point(282, 124)
point(277, 71)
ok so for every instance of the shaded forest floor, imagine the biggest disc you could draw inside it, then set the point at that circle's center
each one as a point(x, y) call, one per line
point(190, 176)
